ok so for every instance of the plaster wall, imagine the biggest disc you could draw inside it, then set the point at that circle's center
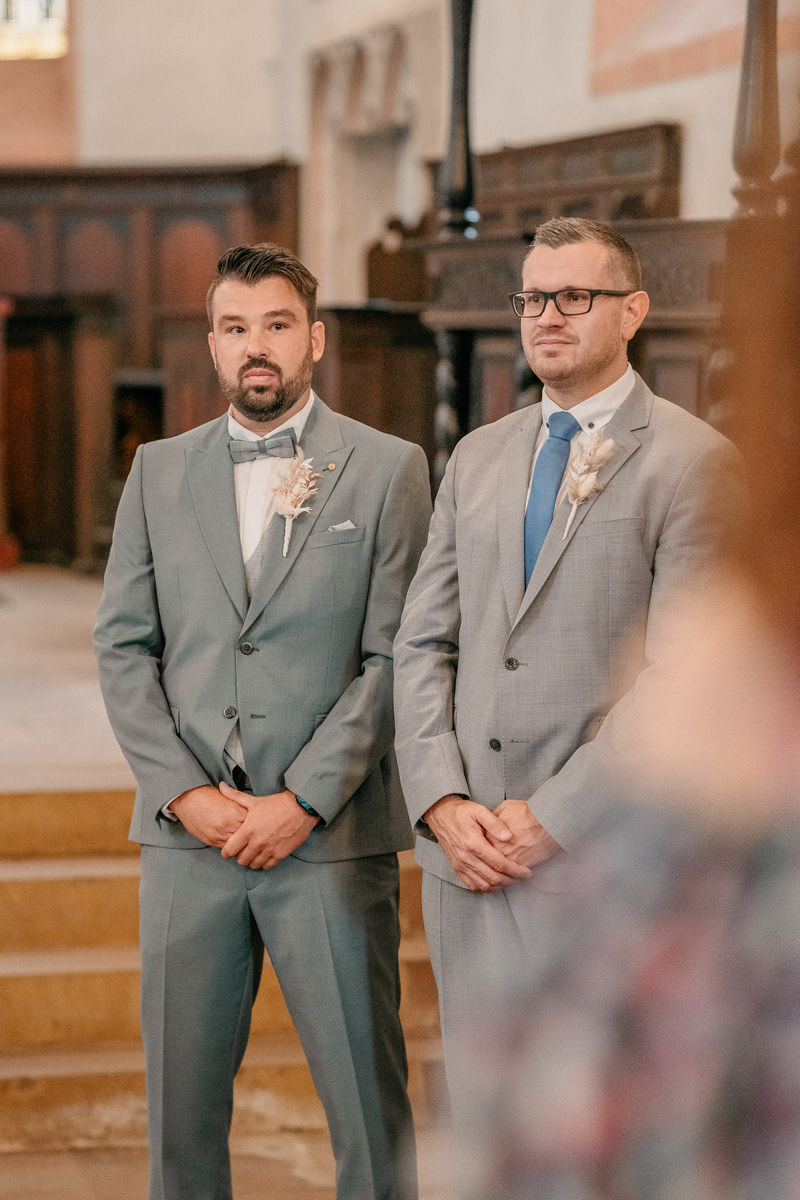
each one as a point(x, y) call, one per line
point(196, 81)
point(185, 81)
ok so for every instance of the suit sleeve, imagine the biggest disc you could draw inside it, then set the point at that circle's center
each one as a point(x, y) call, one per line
point(426, 662)
point(703, 512)
point(128, 642)
point(359, 729)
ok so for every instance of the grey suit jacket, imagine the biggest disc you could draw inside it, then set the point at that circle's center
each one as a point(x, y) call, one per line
point(506, 692)
point(305, 666)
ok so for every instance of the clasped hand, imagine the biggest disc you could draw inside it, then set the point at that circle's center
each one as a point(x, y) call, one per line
point(489, 850)
point(258, 831)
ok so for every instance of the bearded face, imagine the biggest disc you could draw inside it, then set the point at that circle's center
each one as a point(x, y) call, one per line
point(264, 349)
point(262, 392)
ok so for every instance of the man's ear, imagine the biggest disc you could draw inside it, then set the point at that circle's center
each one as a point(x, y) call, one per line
point(634, 312)
point(212, 347)
point(317, 340)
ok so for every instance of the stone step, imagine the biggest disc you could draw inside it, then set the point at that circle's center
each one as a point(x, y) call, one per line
point(66, 824)
point(71, 1070)
point(77, 997)
point(69, 902)
point(94, 1096)
point(98, 904)
point(73, 997)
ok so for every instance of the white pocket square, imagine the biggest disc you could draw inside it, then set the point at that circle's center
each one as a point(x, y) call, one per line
point(340, 526)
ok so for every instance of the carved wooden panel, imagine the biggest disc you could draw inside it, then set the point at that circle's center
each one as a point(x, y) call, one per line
point(628, 173)
point(40, 417)
point(145, 243)
point(682, 268)
point(494, 385)
point(16, 272)
point(192, 394)
point(95, 254)
point(187, 255)
point(469, 282)
point(379, 367)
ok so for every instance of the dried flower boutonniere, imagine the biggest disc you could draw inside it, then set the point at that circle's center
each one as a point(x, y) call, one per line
point(297, 486)
point(581, 477)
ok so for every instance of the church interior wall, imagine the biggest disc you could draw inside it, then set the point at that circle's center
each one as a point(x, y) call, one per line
point(377, 121)
point(184, 82)
point(534, 80)
point(193, 81)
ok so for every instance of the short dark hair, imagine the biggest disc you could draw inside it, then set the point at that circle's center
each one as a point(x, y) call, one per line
point(251, 264)
point(623, 261)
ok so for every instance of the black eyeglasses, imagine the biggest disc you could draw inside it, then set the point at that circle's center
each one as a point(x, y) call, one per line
point(570, 302)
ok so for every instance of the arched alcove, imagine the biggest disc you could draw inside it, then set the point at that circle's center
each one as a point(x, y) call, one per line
point(188, 254)
point(94, 257)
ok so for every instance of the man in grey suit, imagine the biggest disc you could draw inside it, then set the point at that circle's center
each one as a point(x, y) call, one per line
point(255, 583)
point(538, 612)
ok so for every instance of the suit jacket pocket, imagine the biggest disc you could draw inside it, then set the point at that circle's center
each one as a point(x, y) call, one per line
point(332, 537)
point(593, 525)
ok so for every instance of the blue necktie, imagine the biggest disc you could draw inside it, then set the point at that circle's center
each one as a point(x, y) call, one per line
point(282, 445)
point(547, 475)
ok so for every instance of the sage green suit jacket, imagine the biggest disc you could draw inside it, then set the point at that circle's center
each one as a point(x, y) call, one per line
point(305, 665)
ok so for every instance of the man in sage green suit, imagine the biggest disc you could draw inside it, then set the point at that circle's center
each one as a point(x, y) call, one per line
point(245, 648)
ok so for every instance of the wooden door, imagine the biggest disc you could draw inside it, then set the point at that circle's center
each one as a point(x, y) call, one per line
point(39, 438)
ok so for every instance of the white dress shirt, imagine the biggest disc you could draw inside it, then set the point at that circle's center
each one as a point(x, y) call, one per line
point(591, 415)
point(256, 479)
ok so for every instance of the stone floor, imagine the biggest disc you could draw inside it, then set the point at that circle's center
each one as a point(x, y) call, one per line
point(120, 1173)
point(54, 735)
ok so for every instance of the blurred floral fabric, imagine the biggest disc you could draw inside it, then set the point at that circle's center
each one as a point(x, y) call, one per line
point(651, 1050)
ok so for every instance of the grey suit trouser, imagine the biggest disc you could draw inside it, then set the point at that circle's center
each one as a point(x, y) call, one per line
point(332, 932)
point(480, 945)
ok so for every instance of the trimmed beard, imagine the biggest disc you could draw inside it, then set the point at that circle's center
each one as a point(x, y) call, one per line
point(266, 402)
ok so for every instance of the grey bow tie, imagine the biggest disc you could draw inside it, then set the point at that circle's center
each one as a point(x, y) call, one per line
point(281, 445)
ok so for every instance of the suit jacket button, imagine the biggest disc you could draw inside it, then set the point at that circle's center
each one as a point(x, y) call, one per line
point(230, 711)
point(247, 647)
point(495, 745)
point(511, 664)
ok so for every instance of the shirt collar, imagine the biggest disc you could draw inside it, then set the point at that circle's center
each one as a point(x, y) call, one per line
point(297, 422)
point(597, 410)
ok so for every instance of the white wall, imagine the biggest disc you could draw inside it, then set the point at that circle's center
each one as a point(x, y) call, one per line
point(184, 81)
point(332, 20)
point(198, 81)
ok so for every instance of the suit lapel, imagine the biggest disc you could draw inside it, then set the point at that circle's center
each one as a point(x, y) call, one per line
point(515, 472)
point(323, 443)
point(632, 414)
point(209, 470)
